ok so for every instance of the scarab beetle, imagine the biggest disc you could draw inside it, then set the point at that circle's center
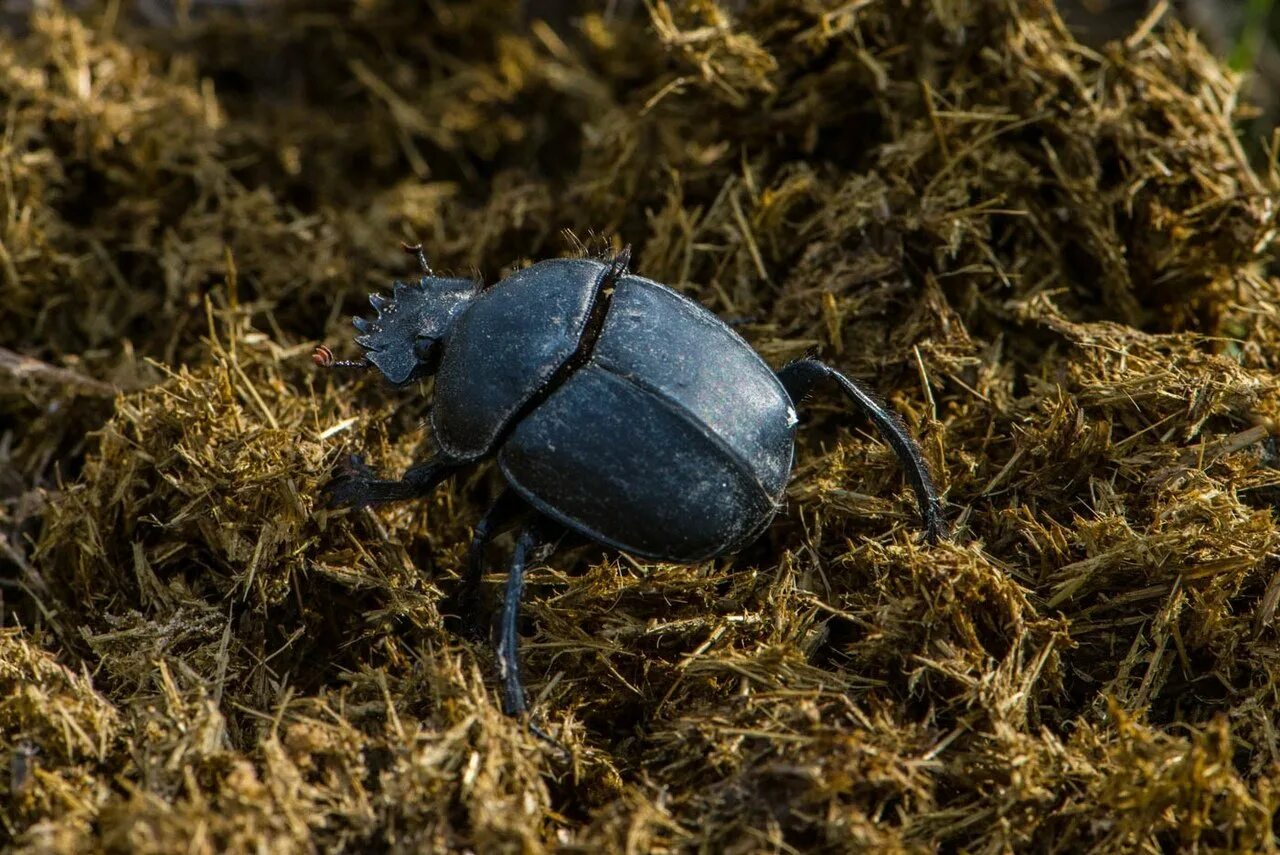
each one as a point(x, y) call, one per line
point(615, 407)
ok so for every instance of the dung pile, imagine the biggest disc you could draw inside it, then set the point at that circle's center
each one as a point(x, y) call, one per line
point(1051, 260)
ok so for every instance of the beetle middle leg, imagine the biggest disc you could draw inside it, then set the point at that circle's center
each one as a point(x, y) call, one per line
point(513, 699)
point(535, 532)
point(466, 604)
point(799, 378)
point(357, 485)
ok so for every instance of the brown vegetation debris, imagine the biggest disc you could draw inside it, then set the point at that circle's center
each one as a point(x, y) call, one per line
point(1054, 260)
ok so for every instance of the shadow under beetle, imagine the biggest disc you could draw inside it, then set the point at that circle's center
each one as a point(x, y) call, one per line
point(615, 407)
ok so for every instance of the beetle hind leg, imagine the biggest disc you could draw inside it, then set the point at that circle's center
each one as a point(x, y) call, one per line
point(800, 377)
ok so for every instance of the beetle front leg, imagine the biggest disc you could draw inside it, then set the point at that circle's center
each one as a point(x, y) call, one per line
point(799, 378)
point(357, 485)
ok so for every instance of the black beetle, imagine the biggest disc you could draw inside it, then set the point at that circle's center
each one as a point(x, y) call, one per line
point(616, 408)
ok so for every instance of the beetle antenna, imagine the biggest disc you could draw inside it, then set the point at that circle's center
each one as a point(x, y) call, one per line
point(323, 357)
point(415, 249)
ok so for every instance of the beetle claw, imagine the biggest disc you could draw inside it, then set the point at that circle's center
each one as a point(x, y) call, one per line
point(344, 492)
point(550, 740)
point(349, 486)
point(355, 465)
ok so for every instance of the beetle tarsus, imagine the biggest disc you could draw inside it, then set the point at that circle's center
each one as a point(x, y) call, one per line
point(354, 467)
point(799, 378)
point(537, 730)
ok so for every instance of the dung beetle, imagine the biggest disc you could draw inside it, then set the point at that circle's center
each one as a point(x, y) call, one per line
point(616, 408)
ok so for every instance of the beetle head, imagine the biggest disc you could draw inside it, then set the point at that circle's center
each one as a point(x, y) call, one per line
point(403, 339)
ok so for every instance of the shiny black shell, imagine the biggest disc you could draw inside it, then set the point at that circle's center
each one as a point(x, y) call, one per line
point(665, 436)
point(504, 350)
